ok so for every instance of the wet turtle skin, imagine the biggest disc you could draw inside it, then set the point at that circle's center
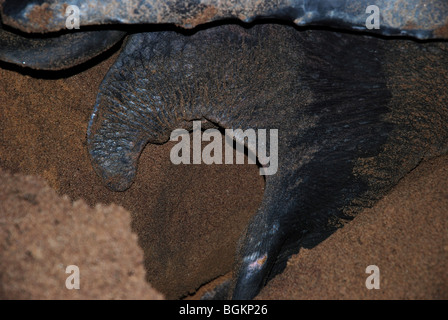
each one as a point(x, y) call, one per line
point(354, 114)
point(57, 51)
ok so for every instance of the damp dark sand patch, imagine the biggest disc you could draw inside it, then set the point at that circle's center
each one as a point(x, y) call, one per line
point(404, 234)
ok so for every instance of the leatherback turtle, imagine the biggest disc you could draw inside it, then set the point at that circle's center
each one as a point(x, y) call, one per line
point(354, 112)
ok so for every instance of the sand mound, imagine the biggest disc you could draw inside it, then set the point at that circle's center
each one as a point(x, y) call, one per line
point(41, 234)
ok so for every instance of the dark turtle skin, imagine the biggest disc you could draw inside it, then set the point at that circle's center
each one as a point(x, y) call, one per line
point(354, 114)
point(420, 19)
point(55, 52)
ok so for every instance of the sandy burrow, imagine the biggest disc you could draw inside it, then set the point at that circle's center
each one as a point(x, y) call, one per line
point(41, 234)
point(405, 235)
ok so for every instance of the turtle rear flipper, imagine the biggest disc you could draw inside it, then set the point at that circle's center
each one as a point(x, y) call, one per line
point(55, 52)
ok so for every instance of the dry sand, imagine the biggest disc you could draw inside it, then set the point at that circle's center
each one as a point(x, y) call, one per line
point(41, 234)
